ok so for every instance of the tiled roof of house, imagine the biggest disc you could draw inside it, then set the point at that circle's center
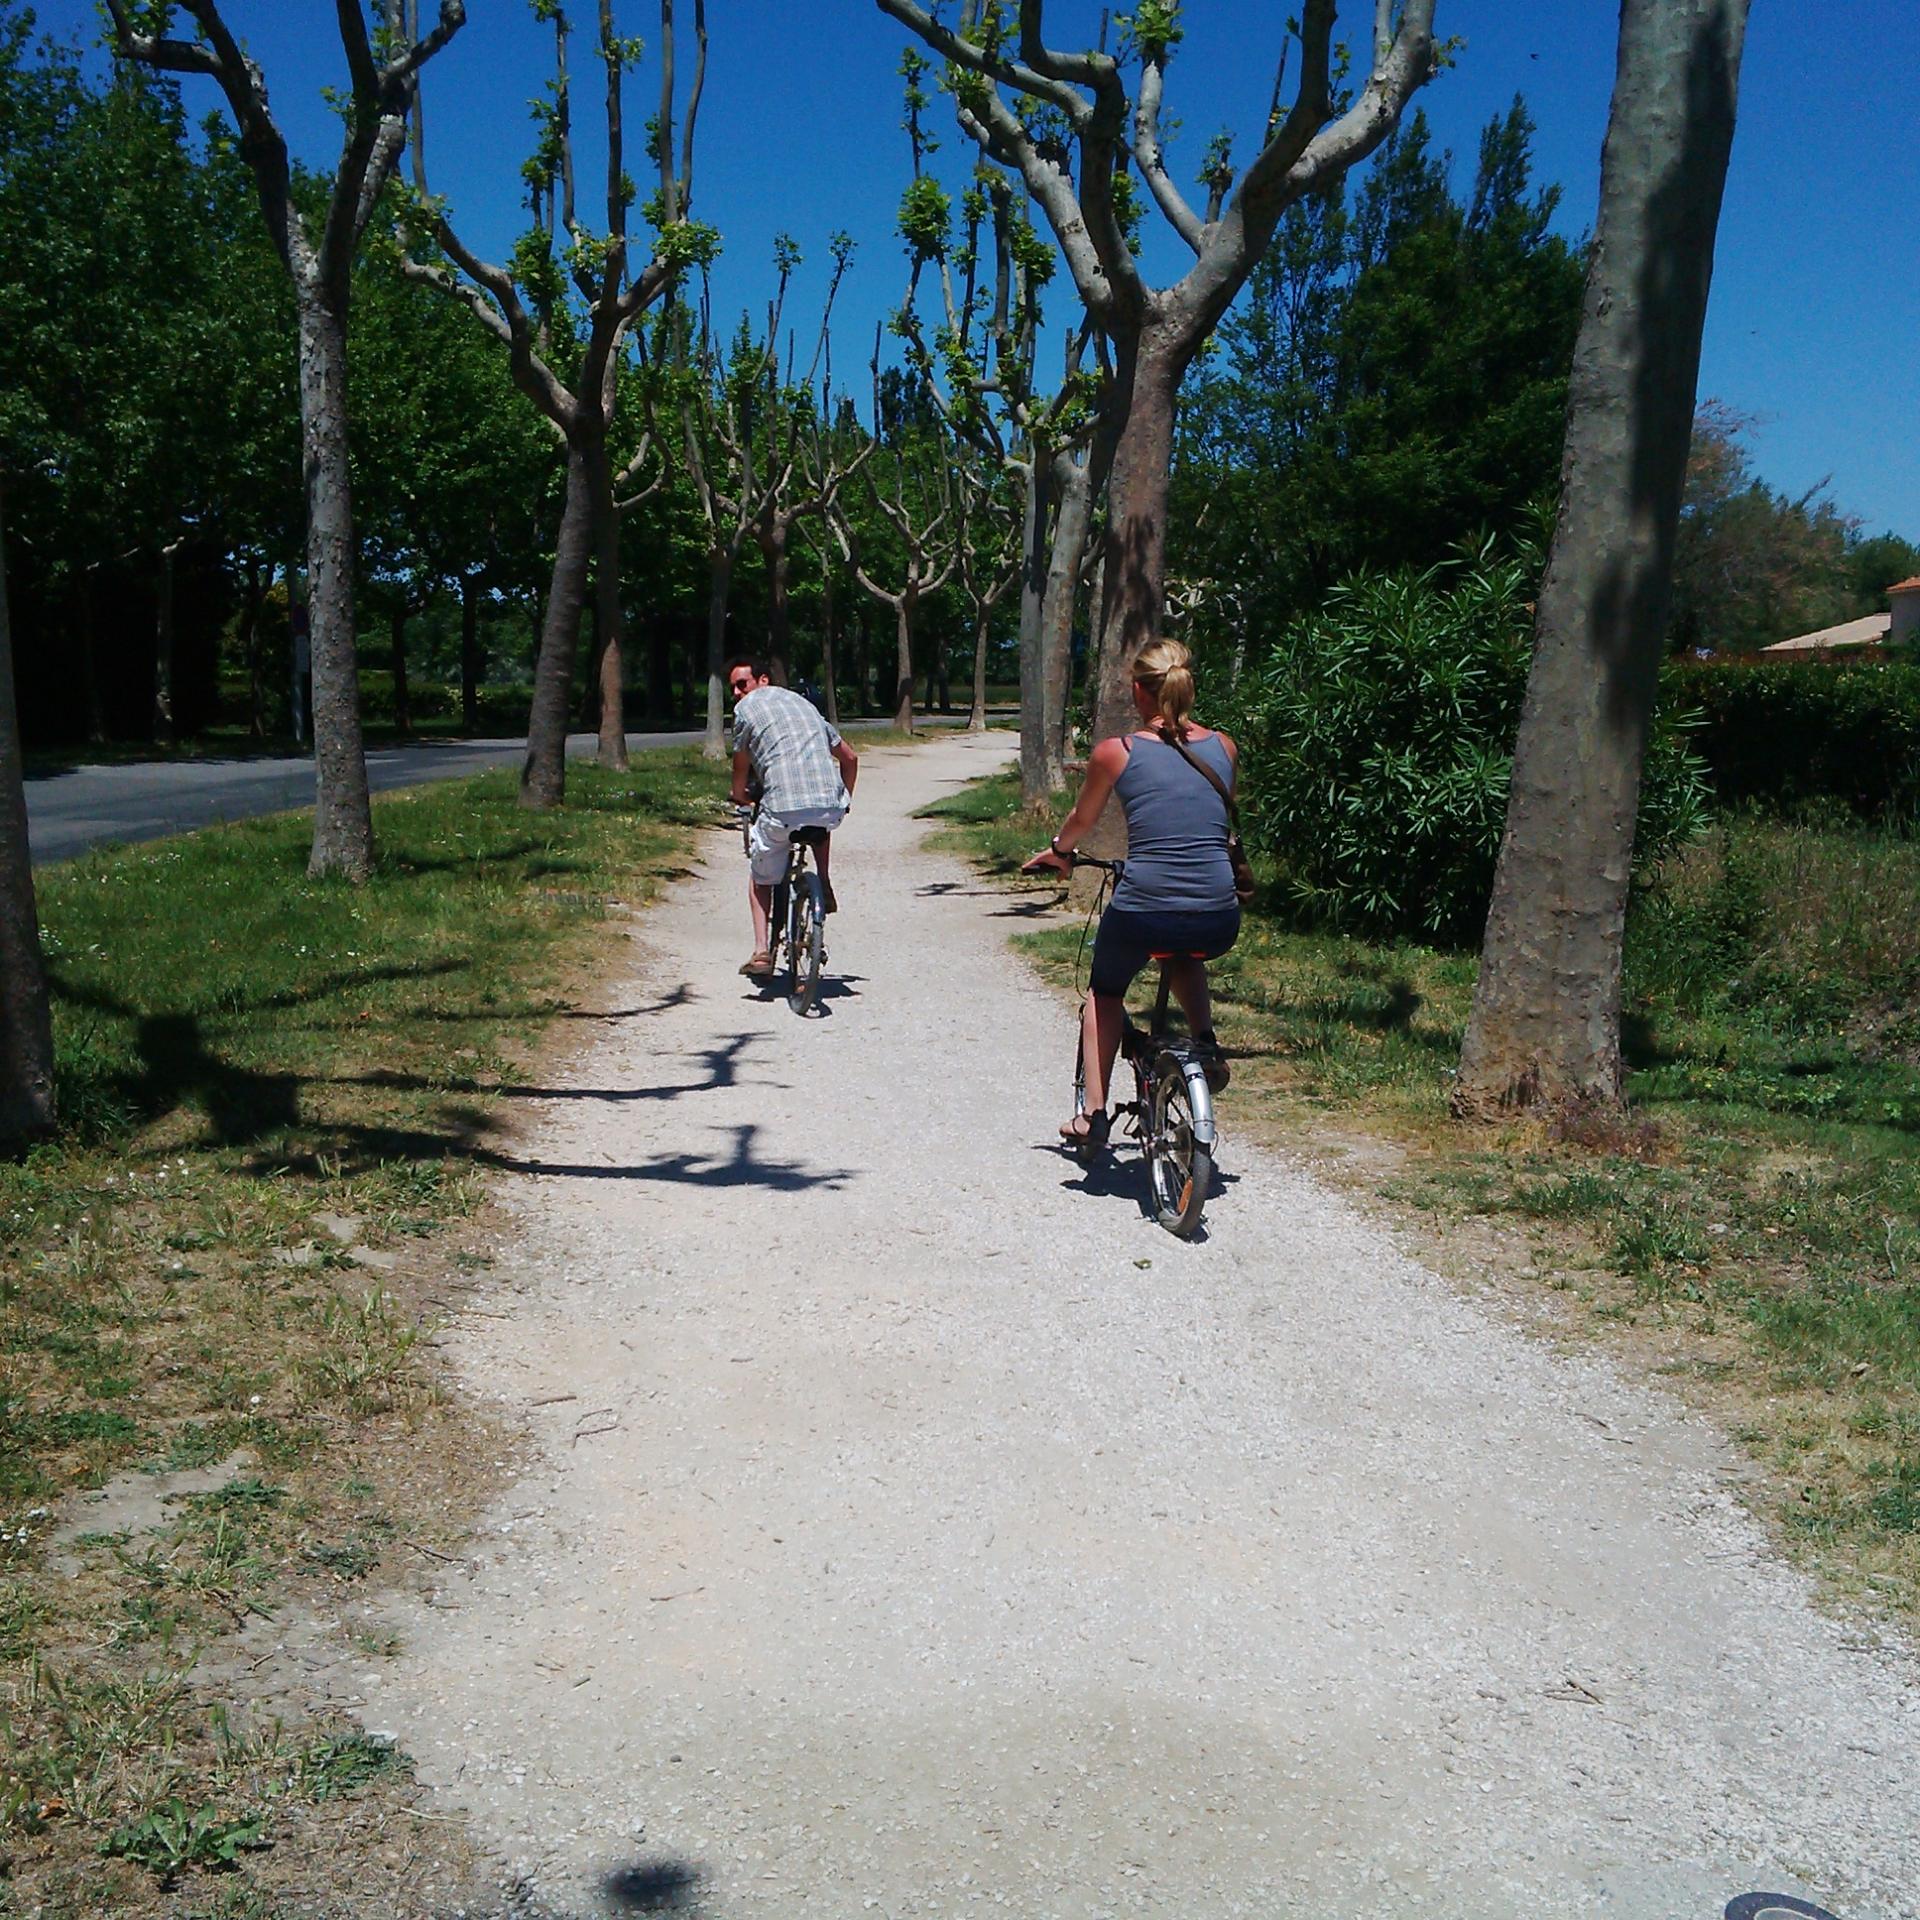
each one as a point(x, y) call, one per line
point(1905, 586)
point(1850, 633)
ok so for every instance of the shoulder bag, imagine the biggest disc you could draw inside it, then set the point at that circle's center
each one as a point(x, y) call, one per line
point(1243, 882)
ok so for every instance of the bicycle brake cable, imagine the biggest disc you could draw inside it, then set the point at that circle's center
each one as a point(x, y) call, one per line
point(1099, 901)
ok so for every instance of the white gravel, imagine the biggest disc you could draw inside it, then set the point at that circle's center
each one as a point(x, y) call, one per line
point(942, 1536)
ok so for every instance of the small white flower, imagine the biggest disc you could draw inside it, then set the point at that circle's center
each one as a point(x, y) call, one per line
point(253, 1400)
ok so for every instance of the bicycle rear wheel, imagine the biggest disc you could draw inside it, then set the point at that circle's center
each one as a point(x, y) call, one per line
point(806, 944)
point(1179, 1150)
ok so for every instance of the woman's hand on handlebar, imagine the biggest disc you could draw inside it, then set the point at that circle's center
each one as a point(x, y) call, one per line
point(1048, 861)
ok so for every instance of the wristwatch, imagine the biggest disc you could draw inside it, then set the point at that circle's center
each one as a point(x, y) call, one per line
point(1059, 852)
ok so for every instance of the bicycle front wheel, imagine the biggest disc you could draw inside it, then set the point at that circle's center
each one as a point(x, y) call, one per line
point(1179, 1151)
point(806, 944)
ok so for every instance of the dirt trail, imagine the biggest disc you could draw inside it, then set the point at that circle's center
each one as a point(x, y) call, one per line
point(924, 1533)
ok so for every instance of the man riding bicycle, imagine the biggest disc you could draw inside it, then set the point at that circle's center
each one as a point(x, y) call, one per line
point(801, 771)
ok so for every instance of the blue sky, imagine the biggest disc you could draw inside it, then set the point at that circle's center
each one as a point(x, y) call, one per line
point(1816, 299)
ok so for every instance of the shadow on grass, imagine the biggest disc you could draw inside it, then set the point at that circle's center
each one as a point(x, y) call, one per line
point(176, 1065)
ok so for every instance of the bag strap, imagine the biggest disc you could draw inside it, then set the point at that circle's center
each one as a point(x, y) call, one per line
point(1207, 773)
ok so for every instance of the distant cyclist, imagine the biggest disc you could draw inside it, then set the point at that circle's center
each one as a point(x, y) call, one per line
point(801, 771)
point(1176, 896)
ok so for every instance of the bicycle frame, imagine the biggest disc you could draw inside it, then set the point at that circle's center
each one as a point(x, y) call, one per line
point(1171, 1113)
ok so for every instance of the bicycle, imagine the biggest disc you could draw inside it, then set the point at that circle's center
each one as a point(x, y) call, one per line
point(1171, 1113)
point(797, 921)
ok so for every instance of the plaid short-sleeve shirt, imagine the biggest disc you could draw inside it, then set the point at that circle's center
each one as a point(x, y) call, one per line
point(791, 747)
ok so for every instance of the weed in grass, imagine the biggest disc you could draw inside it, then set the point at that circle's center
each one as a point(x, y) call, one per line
point(348, 1762)
point(346, 1560)
point(171, 1837)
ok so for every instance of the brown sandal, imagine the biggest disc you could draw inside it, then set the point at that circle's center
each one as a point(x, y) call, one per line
point(759, 966)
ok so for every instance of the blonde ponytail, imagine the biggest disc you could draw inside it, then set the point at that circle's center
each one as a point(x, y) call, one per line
point(1165, 669)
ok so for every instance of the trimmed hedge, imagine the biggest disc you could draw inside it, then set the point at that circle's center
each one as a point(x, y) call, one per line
point(1778, 737)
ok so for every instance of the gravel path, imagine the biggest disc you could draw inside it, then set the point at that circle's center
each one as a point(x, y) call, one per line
point(925, 1533)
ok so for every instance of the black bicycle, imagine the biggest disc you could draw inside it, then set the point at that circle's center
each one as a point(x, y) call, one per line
point(1171, 1113)
point(797, 922)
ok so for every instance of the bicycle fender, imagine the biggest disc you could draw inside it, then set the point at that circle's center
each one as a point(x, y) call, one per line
point(1199, 1094)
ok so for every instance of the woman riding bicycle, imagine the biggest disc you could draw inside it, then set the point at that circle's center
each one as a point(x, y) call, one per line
point(1176, 896)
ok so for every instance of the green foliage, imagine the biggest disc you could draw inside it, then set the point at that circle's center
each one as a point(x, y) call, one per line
point(171, 1837)
point(926, 218)
point(348, 1762)
point(1393, 384)
point(1751, 565)
point(1782, 737)
point(1151, 31)
point(1378, 748)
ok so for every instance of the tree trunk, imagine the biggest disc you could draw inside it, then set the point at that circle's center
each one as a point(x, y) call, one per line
point(543, 779)
point(779, 609)
point(829, 645)
point(26, 1027)
point(1035, 513)
point(606, 594)
point(252, 652)
point(1545, 1025)
point(163, 728)
point(1136, 546)
point(402, 707)
point(469, 655)
point(720, 563)
point(1073, 488)
point(342, 816)
point(977, 712)
point(903, 671)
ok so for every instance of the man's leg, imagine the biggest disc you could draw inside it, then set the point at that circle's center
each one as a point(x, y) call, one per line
point(760, 904)
point(823, 859)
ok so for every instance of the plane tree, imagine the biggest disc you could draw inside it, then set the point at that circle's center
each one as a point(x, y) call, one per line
point(913, 505)
point(564, 306)
point(979, 369)
point(317, 249)
point(1065, 122)
point(1544, 1030)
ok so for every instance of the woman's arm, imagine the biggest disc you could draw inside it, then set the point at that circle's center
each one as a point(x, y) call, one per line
point(1104, 766)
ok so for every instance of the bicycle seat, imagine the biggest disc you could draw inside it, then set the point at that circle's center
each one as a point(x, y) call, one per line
point(811, 836)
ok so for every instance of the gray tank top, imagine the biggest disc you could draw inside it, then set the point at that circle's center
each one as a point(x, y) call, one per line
point(1176, 829)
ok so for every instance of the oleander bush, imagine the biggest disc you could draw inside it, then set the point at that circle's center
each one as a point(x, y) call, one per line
point(1378, 747)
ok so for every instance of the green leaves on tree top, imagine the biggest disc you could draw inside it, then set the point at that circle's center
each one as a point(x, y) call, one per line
point(926, 216)
point(1151, 31)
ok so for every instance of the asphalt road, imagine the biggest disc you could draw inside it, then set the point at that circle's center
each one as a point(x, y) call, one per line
point(97, 806)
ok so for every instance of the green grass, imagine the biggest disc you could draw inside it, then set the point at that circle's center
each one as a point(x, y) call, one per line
point(1757, 1217)
point(240, 1050)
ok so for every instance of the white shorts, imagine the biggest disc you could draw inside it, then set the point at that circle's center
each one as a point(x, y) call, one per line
point(768, 837)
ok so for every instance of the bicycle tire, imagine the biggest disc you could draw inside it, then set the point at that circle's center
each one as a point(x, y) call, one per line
point(806, 944)
point(777, 929)
point(1179, 1161)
